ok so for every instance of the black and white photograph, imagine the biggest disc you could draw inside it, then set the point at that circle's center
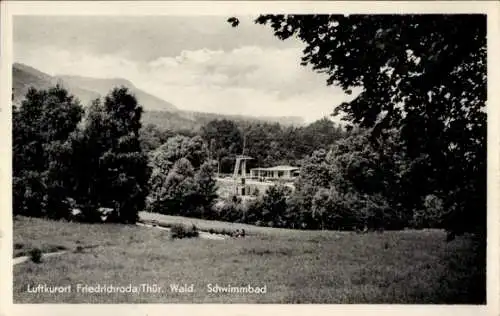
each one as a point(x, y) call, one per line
point(249, 158)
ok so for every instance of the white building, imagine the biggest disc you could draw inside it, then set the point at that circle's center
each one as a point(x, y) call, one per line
point(278, 172)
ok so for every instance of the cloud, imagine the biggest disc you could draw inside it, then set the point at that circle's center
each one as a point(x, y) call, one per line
point(249, 80)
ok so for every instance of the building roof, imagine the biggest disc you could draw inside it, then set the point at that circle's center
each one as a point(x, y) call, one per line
point(277, 168)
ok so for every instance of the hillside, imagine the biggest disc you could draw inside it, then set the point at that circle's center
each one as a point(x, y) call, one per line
point(85, 89)
point(187, 120)
point(103, 86)
point(157, 111)
point(205, 117)
point(25, 77)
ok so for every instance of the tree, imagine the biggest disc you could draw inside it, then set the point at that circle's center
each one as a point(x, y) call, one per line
point(42, 126)
point(274, 205)
point(360, 184)
point(112, 169)
point(423, 75)
point(356, 165)
point(320, 134)
point(315, 172)
point(206, 187)
point(193, 149)
point(227, 140)
point(181, 181)
point(162, 160)
point(177, 194)
point(152, 137)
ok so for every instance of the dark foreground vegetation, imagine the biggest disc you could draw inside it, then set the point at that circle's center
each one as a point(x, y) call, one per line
point(412, 156)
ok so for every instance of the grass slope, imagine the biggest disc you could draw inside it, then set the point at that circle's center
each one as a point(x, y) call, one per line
point(296, 266)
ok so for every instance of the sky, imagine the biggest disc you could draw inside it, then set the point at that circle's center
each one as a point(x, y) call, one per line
point(197, 63)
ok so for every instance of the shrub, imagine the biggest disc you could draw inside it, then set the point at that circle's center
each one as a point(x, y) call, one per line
point(179, 231)
point(18, 246)
point(36, 255)
point(253, 211)
point(231, 210)
point(206, 187)
point(274, 205)
point(431, 215)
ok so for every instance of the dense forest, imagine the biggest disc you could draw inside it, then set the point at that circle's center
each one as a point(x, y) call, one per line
point(267, 143)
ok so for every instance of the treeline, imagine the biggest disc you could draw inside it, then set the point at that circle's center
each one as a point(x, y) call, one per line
point(267, 143)
point(348, 181)
point(193, 121)
point(68, 160)
point(101, 161)
point(351, 186)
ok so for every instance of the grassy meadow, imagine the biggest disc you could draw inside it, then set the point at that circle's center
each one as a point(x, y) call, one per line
point(296, 266)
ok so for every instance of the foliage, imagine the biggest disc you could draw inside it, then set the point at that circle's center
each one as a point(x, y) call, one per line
point(175, 195)
point(315, 172)
point(229, 210)
point(183, 191)
point(320, 134)
point(151, 137)
point(425, 76)
point(180, 231)
point(269, 144)
point(111, 168)
point(432, 213)
point(352, 186)
point(182, 179)
point(206, 190)
point(36, 255)
point(225, 141)
point(41, 152)
point(193, 149)
point(273, 144)
point(274, 205)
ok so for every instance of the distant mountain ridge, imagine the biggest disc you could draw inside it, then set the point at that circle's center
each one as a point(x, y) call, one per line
point(157, 111)
point(25, 77)
point(84, 88)
point(103, 86)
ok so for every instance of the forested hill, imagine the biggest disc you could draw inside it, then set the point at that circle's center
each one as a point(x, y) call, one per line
point(103, 86)
point(84, 88)
point(24, 77)
point(157, 111)
point(193, 121)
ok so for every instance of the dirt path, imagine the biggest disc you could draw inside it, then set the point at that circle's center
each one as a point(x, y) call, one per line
point(22, 259)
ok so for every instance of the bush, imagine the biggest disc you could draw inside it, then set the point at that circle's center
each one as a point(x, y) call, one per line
point(253, 211)
point(36, 255)
point(18, 246)
point(274, 205)
point(431, 215)
point(179, 231)
point(230, 210)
